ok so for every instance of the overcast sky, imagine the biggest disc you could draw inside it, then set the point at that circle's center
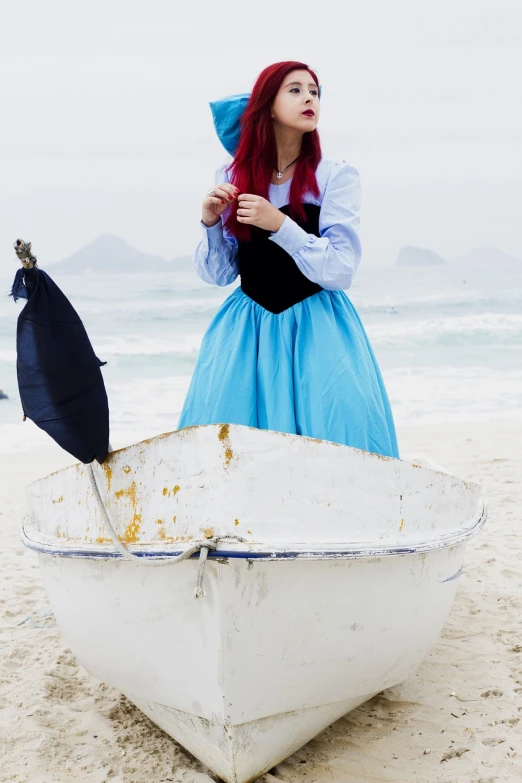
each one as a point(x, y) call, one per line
point(105, 125)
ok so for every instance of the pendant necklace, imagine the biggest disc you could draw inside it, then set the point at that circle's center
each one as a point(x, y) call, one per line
point(281, 171)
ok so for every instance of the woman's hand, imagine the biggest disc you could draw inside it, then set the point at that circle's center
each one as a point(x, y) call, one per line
point(215, 203)
point(257, 211)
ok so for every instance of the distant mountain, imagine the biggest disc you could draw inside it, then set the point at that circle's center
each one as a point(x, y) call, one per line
point(489, 257)
point(111, 254)
point(410, 255)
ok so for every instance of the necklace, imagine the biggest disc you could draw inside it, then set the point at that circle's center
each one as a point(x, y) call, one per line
point(281, 171)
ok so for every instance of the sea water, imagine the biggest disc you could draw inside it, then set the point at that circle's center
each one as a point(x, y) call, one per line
point(448, 340)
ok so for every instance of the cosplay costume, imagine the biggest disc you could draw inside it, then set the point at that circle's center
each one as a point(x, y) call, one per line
point(287, 351)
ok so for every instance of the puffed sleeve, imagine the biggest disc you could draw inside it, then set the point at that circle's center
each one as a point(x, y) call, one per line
point(331, 259)
point(215, 256)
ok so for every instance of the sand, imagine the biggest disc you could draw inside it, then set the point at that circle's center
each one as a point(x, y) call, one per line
point(458, 720)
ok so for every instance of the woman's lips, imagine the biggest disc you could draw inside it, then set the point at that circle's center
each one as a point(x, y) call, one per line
point(308, 113)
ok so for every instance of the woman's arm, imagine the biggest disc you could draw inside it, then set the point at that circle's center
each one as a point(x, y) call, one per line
point(331, 259)
point(215, 256)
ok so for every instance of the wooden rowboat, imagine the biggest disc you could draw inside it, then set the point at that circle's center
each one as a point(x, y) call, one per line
point(330, 573)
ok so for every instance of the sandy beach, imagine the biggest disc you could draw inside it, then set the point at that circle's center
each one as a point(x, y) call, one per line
point(458, 720)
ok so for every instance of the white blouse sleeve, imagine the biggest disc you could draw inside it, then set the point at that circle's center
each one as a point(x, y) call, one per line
point(331, 259)
point(215, 256)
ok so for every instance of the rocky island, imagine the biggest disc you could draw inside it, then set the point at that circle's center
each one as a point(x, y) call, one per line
point(409, 255)
point(109, 254)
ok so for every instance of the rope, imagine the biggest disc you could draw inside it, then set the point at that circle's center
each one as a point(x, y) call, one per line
point(203, 547)
point(199, 592)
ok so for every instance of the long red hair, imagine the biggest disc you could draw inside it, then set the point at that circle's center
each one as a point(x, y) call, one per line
point(253, 165)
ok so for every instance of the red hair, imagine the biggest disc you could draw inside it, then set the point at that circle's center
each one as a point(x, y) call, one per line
point(256, 155)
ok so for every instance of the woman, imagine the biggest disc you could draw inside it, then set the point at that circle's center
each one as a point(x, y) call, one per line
point(286, 351)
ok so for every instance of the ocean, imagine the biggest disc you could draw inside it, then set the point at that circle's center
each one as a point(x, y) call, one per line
point(448, 340)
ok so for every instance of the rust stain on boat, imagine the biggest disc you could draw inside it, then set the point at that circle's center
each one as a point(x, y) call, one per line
point(132, 531)
point(174, 491)
point(224, 435)
point(236, 522)
point(108, 474)
point(131, 534)
point(170, 539)
point(174, 519)
point(159, 521)
point(402, 524)
point(58, 500)
point(130, 492)
point(126, 468)
point(102, 540)
point(209, 532)
point(224, 432)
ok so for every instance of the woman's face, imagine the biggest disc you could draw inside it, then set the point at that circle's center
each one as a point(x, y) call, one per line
point(296, 105)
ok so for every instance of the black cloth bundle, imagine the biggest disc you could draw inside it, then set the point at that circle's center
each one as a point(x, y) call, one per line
point(59, 378)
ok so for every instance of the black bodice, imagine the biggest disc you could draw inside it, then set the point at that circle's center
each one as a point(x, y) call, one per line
point(269, 275)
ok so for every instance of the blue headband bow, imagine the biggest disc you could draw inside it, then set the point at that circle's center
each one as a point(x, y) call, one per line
point(226, 114)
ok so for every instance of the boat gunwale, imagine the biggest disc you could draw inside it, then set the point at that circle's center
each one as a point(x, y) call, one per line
point(264, 551)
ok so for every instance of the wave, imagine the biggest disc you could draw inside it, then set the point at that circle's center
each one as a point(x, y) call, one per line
point(442, 303)
point(136, 345)
point(392, 333)
point(399, 333)
point(492, 326)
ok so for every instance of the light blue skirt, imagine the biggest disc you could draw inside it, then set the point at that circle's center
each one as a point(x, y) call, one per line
point(309, 370)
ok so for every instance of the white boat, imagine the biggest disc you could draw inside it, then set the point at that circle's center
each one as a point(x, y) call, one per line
point(333, 573)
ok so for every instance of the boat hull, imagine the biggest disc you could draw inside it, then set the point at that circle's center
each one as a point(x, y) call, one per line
point(330, 574)
point(275, 652)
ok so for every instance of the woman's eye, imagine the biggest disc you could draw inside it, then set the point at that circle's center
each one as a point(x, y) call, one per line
point(294, 89)
point(314, 92)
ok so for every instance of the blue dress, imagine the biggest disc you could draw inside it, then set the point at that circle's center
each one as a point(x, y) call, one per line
point(287, 351)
